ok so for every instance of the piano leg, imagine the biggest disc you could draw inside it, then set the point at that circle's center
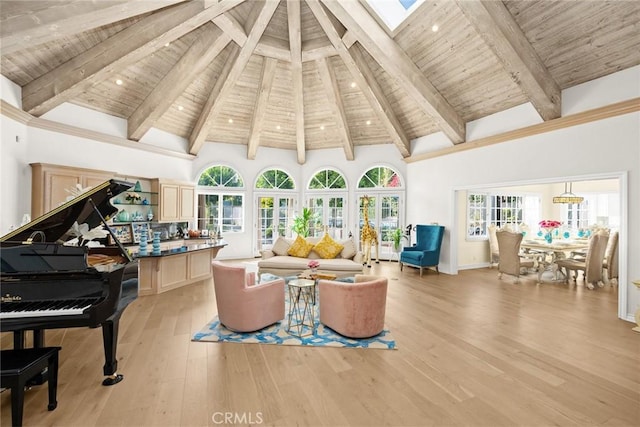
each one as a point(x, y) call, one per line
point(110, 340)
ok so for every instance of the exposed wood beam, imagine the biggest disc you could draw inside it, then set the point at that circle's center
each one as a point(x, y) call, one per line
point(328, 77)
point(315, 49)
point(264, 90)
point(398, 65)
point(502, 34)
point(266, 47)
point(115, 54)
point(20, 116)
point(617, 109)
point(348, 39)
point(211, 107)
point(364, 78)
point(215, 101)
point(61, 19)
point(199, 55)
point(295, 43)
point(379, 102)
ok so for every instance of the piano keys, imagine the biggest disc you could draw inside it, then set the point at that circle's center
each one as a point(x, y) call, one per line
point(46, 283)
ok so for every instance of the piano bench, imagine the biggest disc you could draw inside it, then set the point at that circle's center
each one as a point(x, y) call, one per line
point(19, 366)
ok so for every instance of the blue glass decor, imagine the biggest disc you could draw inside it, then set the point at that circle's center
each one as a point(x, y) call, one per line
point(540, 233)
point(548, 238)
point(566, 234)
point(143, 243)
point(155, 250)
point(581, 233)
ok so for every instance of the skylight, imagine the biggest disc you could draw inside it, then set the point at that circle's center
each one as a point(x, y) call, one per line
point(394, 12)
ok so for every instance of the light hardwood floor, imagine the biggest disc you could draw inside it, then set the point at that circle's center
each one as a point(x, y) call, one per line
point(473, 351)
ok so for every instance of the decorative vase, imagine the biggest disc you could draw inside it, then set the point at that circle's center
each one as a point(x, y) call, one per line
point(150, 215)
point(155, 248)
point(548, 237)
point(143, 243)
point(123, 216)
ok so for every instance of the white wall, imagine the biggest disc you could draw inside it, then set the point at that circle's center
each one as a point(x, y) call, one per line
point(598, 148)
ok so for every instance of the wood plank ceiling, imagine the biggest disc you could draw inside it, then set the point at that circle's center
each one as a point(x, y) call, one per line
point(313, 74)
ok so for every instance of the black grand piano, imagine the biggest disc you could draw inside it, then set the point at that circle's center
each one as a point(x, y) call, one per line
point(48, 283)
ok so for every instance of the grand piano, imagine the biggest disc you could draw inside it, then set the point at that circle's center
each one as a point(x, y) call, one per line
point(51, 279)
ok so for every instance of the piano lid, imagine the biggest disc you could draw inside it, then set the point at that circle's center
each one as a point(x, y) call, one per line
point(56, 224)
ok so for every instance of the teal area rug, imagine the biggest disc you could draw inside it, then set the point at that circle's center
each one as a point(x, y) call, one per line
point(277, 334)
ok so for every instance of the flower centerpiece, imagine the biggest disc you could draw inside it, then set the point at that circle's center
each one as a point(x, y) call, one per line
point(549, 225)
point(313, 265)
point(133, 197)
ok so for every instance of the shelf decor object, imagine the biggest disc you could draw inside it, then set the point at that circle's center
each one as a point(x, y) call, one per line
point(156, 243)
point(143, 243)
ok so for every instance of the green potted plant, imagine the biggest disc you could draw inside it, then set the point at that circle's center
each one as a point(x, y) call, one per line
point(396, 237)
point(301, 223)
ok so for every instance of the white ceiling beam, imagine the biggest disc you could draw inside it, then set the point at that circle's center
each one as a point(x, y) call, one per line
point(264, 90)
point(62, 19)
point(214, 104)
point(295, 45)
point(397, 64)
point(115, 54)
point(495, 24)
point(328, 77)
point(205, 49)
point(364, 79)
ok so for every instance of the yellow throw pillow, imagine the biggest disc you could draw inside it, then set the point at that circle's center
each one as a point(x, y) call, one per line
point(328, 248)
point(300, 248)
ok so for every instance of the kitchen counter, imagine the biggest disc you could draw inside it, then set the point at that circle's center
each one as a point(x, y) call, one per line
point(183, 249)
point(176, 267)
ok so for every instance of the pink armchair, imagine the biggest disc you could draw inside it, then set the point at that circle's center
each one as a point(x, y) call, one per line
point(355, 310)
point(244, 306)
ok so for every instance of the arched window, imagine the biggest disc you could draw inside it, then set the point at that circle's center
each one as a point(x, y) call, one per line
point(327, 199)
point(275, 179)
point(275, 204)
point(327, 179)
point(385, 190)
point(220, 201)
point(380, 177)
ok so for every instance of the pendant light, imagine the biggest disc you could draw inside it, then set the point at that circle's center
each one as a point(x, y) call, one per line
point(567, 196)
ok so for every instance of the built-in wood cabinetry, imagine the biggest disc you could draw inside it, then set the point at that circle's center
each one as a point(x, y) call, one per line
point(50, 184)
point(176, 200)
point(163, 273)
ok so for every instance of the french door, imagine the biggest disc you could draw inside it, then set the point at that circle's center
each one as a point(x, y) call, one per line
point(385, 212)
point(329, 211)
point(275, 214)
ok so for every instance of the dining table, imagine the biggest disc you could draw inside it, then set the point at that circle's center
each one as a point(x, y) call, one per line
point(547, 253)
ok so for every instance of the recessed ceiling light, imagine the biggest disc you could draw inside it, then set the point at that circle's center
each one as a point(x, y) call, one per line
point(167, 44)
point(119, 82)
point(322, 127)
point(435, 28)
point(353, 84)
point(230, 120)
point(180, 107)
point(368, 122)
point(278, 127)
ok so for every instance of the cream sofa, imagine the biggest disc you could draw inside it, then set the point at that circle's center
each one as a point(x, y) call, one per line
point(276, 260)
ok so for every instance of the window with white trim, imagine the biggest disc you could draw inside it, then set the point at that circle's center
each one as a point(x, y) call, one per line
point(220, 200)
point(484, 209)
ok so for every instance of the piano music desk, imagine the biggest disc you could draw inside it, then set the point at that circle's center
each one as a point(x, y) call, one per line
point(19, 366)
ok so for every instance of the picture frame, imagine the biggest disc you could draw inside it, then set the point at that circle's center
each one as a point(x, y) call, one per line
point(123, 232)
point(137, 228)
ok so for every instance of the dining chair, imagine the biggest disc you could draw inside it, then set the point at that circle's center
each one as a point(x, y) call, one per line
point(610, 262)
point(494, 253)
point(592, 266)
point(510, 261)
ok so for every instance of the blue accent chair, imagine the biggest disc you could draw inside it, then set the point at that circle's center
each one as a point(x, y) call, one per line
point(426, 252)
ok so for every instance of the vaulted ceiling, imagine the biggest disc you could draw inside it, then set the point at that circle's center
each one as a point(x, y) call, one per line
point(313, 74)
